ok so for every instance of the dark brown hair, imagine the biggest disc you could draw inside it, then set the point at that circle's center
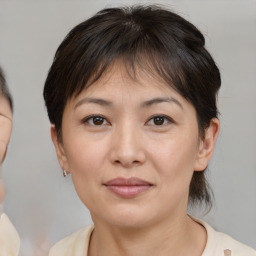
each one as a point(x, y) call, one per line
point(4, 91)
point(143, 37)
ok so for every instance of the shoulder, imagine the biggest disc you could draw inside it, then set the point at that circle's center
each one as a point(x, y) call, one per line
point(74, 244)
point(222, 244)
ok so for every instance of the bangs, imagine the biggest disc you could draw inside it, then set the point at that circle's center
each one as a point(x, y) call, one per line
point(156, 62)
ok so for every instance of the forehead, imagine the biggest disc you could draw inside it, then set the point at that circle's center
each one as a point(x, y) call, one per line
point(119, 77)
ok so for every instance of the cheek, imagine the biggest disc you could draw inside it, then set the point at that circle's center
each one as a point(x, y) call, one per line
point(88, 167)
point(83, 155)
point(85, 159)
point(174, 159)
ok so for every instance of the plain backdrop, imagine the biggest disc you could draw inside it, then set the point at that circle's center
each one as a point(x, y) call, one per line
point(41, 203)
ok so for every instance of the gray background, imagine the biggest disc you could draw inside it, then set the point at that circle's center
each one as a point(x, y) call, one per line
point(41, 203)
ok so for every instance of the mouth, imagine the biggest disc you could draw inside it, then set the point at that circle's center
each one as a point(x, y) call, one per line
point(128, 188)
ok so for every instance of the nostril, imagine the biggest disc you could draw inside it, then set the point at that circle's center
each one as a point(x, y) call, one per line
point(126, 163)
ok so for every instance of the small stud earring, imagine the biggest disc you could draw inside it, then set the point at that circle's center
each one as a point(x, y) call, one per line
point(65, 174)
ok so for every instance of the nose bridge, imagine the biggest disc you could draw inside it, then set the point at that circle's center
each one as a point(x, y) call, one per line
point(127, 145)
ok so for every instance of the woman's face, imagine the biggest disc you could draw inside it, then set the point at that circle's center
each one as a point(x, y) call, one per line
point(131, 148)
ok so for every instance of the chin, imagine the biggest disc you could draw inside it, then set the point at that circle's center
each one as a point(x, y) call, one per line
point(125, 217)
point(128, 222)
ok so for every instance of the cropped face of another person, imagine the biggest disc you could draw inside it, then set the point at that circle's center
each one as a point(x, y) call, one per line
point(5, 125)
point(132, 146)
point(5, 133)
point(9, 238)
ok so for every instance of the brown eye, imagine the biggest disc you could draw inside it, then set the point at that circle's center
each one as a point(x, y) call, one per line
point(98, 120)
point(95, 120)
point(158, 120)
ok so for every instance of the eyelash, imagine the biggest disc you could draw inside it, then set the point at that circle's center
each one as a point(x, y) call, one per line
point(92, 118)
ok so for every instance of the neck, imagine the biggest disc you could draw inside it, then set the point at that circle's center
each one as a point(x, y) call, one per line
point(182, 236)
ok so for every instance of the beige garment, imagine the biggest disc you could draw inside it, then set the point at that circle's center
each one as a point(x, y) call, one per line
point(9, 238)
point(76, 244)
point(218, 244)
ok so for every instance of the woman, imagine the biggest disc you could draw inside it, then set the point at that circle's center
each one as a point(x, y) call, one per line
point(9, 239)
point(131, 96)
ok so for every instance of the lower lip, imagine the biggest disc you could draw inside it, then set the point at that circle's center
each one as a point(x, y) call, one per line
point(128, 191)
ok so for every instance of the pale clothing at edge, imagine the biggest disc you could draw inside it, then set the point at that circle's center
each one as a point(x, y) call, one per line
point(218, 244)
point(9, 238)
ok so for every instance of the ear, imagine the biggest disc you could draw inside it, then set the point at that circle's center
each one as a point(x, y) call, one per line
point(206, 146)
point(61, 155)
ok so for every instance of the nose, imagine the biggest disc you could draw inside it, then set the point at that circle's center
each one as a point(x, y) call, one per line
point(127, 147)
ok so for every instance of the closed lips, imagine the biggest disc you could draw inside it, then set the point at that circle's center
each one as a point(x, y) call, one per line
point(128, 188)
point(127, 182)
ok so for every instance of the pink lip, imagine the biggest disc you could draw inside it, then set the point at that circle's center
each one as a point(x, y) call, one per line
point(128, 188)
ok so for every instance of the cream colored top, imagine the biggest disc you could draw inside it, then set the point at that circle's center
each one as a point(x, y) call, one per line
point(9, 238)
point(218, 244)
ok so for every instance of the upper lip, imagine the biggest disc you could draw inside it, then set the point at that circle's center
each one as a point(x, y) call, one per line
point(127, 182)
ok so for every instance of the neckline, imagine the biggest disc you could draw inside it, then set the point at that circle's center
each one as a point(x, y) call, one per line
point(208, 249)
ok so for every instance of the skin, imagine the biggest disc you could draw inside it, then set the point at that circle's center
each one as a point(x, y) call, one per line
point(6, 126)
point(5, 134)
point(129, 142)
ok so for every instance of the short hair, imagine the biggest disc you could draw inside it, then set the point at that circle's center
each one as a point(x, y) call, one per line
point(4, 90)
point(151, 38)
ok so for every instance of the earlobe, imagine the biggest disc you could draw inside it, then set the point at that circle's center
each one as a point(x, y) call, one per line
point(59, 149)
point(207, 145)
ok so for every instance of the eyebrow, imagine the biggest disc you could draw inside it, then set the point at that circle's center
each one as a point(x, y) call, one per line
point(147, 103)
point(158, 100)
point(94, 101)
